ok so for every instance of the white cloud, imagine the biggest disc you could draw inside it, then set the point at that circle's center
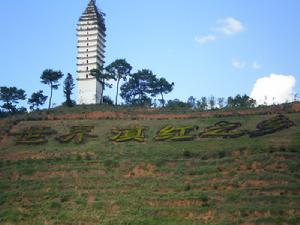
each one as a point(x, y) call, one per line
point(204, 39)
point(238, 64)
point(256, 65)
point(274, 89)
point(230, 26)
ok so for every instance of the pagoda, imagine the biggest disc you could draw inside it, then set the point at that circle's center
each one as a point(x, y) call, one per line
point(91, 43)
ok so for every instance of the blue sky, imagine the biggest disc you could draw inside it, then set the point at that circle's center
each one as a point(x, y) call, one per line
point(206, 47)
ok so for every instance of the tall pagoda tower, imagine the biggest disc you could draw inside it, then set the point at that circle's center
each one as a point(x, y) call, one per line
point(91, 43)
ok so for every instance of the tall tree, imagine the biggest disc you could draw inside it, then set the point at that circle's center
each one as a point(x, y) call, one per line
point(37, 99)
point(192, 102)
point(240, 102)
point(119, 70)
point(176, 103)
point(11, 96)
point(221, 102)
point(230, 102)
point(161, 86)
point(203, 103)
point(51, 77)
point(247, 102)
point(137, 89)
point(102, 77)
point(68, 88)
point(212, 102)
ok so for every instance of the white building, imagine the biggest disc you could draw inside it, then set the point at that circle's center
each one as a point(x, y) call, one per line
point(91, 43)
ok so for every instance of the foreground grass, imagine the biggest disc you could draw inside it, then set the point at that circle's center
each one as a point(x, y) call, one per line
point(208, 181)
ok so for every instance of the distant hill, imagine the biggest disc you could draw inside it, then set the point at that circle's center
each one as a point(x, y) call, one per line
point(131, 166)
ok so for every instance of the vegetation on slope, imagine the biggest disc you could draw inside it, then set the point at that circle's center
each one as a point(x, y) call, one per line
point(206, 181)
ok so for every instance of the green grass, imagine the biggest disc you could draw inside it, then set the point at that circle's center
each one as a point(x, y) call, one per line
point(205, 181)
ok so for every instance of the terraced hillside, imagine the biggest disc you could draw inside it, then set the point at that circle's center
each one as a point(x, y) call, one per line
point(152, 171)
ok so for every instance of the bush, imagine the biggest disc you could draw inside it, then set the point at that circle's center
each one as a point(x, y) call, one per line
point(187, 153)
point(187, 187)
point(55, 204)
point(272, 125)
point(111, 163)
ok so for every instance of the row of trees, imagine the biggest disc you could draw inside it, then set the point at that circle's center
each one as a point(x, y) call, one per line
point(139, 87)
point(10, 96)
point(205, 103)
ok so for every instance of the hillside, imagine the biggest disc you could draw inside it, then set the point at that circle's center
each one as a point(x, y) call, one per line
point(133, 167)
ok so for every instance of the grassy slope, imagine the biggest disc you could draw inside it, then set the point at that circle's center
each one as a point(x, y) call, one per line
point(211, 181)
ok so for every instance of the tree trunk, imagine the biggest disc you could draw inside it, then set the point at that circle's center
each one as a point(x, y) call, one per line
point(140, 98)
point(116, 102)
point(102, 91)
point(50, 99)
point(162, 99)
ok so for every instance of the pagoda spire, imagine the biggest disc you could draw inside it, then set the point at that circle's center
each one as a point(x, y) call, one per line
point(90, 55)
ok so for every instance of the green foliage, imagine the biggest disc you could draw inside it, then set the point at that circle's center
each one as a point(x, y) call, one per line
point(187, 187)
point(212, 102)
point(37, 99)
point(161, 86)
point(187, 154)
point(51, 78)
point(119, 70)
point(11, 96)
point(34, 135)
point(176, 103)
point(221, 102)
point(172, 133)
point(272, 125)
point(68, 88)
point(111, 163)
point(223, 129)
point(209, 181)
point(192, 102)
point(124, 135)
point(107, 100)
point(202, 104)
point(240, 102)
point(139, 87)
point(78, 134)
point(102, 76)
point(55, 204)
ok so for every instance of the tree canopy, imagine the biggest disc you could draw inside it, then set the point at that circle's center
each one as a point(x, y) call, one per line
point(138, 89)
point(119, 70)
point(11, 96)
point(51, 77)
point(68, 88)
point(240, 102)
point(160, 87)
point(102, 77)
point(37, 99)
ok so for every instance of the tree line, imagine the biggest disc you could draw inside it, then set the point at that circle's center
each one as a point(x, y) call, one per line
point(212, 102)
point(142, 88)
point(138, 88)
point(10, 96)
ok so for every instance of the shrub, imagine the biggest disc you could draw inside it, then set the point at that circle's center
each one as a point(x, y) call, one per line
point(187, 154)
point(111, 163)
point(55, 204)
point(221, 155)
point(78, 157)
point(187, 187)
